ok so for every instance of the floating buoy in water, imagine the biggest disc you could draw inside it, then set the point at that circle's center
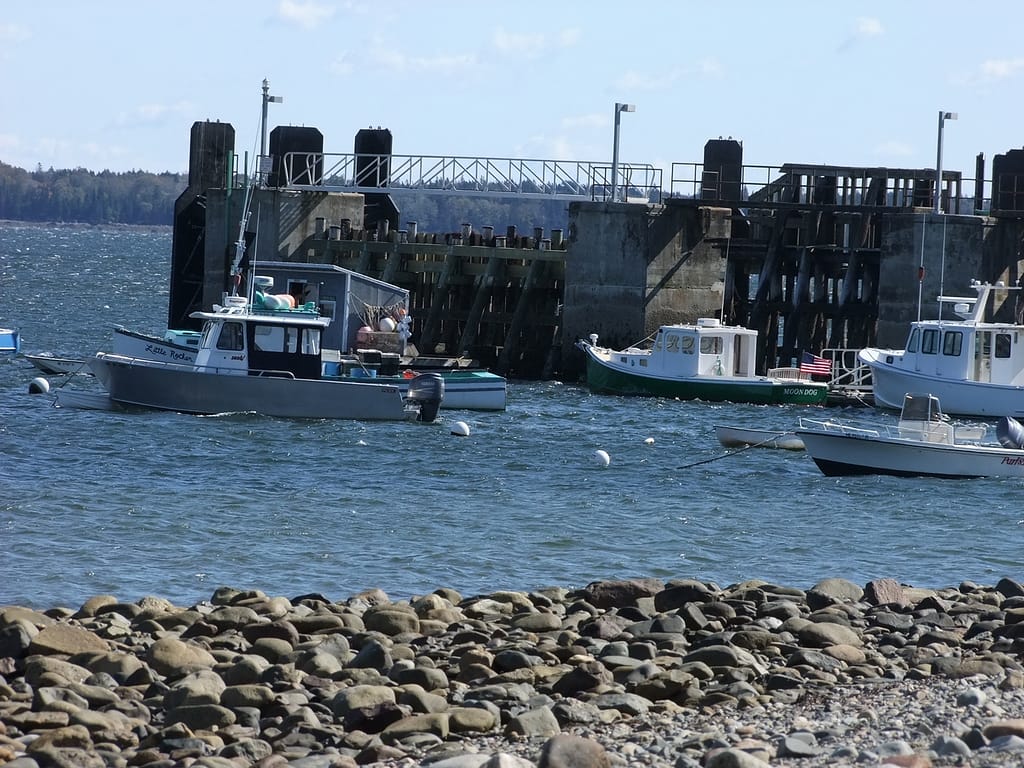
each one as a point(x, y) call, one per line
point(38, 386)
point(649, 441)
point(602, 459)
point(460, 429)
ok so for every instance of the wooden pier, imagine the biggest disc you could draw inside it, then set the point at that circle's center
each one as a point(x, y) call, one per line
point(496, 299)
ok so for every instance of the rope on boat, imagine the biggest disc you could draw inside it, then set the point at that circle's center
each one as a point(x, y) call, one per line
point(774, 436)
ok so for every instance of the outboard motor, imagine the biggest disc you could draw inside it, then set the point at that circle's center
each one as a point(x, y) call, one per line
point(1010, 433)
point(427, 391)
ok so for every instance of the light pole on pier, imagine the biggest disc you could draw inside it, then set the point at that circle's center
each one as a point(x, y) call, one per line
point(619, 109)
point(943, 117)
point(264, 171)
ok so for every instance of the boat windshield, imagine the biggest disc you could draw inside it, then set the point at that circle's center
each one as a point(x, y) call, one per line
point(921, 408)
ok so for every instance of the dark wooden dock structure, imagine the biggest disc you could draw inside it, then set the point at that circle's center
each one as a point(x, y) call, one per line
point(494, 298)
point(814, 257)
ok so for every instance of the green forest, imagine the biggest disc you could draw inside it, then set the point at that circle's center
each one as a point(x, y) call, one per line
point(137, 197)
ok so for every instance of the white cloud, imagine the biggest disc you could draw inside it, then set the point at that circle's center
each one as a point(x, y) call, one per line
point(341, 65)
point(633, 80)
point(865, 27)
point(448, 64)
point(14, 33)
point(868, 27)
point(893, 148)
point(999, 69)
point(307, 14)
point(154, 113)
point(593, 120)
point(530, 46)
point(567, 38)
point(9, 143)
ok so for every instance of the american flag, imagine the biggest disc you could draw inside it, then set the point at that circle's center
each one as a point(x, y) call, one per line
point(814, 365)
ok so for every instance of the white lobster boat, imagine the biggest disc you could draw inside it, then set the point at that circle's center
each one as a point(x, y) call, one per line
point(975, 367)
point(267, 361)
point(705, 361)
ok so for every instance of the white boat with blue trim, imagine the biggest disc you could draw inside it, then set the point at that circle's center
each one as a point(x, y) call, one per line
point(262, 360)
point(10, 340)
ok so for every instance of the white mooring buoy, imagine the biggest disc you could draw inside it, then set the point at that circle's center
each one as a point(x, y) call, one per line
point(38, 386)
point(460, 429)
point(602, 459)
point(649, 441)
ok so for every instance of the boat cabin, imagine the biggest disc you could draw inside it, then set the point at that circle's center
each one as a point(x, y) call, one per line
point(967, 349)
point(239, 339)
point(705, 349)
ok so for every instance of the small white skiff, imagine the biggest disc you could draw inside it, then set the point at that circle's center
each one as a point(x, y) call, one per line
point(743, 437)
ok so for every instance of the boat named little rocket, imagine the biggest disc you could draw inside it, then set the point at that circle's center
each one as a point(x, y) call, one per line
point(975, 367)
point(924, 443)
point(706, 361)
point(262, 360)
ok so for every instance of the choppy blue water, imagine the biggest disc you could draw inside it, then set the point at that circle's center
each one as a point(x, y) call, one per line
point(176, 506)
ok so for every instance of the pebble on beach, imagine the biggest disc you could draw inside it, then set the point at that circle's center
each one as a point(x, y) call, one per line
point(636, 672)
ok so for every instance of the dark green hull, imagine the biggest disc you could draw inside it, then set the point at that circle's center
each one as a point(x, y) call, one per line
point(604, 380)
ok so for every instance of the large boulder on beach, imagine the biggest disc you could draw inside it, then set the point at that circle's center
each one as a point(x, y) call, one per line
point(617, 593)
point(66, 640)
point(568, 751)
point(171, 656)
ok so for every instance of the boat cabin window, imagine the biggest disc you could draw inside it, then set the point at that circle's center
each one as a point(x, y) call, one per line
point(983, 345)
point(952, 343)
point(687, 345)
point(274, 338)
point(915, 337)
point(711, 345)
point(1003, 345)
point(230, 337)
point(672, 344)
point(930, 342)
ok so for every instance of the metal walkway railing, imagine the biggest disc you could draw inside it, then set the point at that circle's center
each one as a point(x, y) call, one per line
point(571, 179)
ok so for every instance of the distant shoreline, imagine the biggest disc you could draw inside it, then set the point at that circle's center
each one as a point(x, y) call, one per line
point(87, 225)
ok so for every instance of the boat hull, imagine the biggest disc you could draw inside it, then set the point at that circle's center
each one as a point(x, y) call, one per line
point(839, 454)
point(171, 387)
point(959, 397)
point(605, 379)
point(141, 345)
point(742, 437)
point(93, 401)
point(58, 366)
point(463, 390)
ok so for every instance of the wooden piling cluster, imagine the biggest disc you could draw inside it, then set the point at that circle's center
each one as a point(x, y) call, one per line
point(494, 298)
point(806, 280)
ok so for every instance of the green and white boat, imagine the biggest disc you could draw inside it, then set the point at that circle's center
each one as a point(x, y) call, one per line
point(707, 361)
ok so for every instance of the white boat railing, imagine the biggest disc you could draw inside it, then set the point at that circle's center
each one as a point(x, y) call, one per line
point(848, 373)
point(839, 428)
point(788, 374)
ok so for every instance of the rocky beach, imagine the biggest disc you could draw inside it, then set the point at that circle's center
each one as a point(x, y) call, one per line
point(637, 672)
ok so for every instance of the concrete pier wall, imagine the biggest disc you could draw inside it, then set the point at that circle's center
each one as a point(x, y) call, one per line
point(954, 250)
point(632, 267)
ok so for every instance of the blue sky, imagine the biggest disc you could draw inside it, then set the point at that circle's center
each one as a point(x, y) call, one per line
point(116, 85)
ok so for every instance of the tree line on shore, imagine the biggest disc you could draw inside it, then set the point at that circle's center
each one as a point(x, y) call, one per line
point(137, 197)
